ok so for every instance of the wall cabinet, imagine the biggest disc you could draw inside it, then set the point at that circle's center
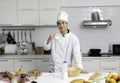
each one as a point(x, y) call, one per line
point(49, 11)
point(38, 12)
point(8, 12)
point(28, 12)
point(48, 17)
point(27, 4)
point(67, 3)
point(49, 5)
point(28, 17)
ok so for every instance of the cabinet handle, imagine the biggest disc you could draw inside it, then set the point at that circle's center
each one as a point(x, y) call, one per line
point(6, 25)
point(49, 9)
point(27, 9)
point(109, 68)
point(4, 60)
point(87, 60)
point(45, 60)
point(25, 60)
point(109, 60)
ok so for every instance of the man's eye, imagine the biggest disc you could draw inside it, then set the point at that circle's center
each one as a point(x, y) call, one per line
point(63, 22)
point(58, 23)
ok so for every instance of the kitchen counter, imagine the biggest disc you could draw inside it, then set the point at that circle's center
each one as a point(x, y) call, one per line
point(56, 78)
point(47, 56)
point(13, 62)
point(23, 56)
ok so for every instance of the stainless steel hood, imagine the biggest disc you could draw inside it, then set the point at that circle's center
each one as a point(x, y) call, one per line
point(96, 21)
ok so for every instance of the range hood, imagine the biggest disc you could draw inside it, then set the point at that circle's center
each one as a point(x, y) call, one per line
point(96, 21)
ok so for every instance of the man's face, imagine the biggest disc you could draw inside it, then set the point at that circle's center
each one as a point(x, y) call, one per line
point(62, 25)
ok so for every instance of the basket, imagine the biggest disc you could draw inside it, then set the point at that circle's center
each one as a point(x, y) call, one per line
point(73, 71)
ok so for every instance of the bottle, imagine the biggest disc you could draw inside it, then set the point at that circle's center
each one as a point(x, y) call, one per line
point(65, 70)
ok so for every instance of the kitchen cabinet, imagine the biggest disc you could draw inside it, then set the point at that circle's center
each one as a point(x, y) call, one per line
point(110, 65)
point(8, 12)
point(38, 12)
point(6, 65)
point(28, 17)
point(28, 13)
point(42, 64)
point(49, 5)
point(91, 65)
point(48, 11)
point(71, 3)
point(48, 17)
point(28, 64)
point(27, 4)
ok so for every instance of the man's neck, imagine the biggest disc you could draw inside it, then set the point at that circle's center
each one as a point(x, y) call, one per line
point(63, 33)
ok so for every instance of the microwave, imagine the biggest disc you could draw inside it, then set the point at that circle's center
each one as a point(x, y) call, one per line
point(115, 49)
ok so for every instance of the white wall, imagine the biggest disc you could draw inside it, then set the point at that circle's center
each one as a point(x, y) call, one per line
point(94, 37)
point(89, 37)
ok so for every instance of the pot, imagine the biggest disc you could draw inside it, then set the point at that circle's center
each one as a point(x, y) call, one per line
point(24, 47)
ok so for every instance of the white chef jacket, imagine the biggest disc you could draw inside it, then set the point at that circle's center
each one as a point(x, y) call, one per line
point(64, 48)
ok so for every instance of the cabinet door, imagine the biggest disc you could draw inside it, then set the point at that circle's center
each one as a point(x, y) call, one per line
point(113, 70)
point(8, 12)
point(6, 65)
point(28, 17)
point(28, 4)
point(48, 17)
point(28, 12)
point(110, 65)
point(91, 65)
point(49, 4)
point(42, 64)
point(90, 2)
point(28, 64)
point(49, 11)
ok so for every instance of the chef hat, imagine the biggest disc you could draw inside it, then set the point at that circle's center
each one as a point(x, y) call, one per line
point(62, 16)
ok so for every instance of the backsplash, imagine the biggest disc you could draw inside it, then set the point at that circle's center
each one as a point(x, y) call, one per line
point(94, 37)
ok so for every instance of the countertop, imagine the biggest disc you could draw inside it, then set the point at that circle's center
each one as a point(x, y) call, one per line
point(47, 56)
point(23, 56)
point(56, 78)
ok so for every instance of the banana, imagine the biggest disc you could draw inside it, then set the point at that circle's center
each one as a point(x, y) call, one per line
point(95, 75)
point(112, 80)
point(20, 71)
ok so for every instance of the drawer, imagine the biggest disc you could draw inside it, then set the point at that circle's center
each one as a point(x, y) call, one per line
point(109, 63)
point(113, 70)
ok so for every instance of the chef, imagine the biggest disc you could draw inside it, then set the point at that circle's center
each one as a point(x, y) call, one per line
point(64, 46)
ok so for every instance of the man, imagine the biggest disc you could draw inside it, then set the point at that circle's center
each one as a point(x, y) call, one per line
point(64, 46)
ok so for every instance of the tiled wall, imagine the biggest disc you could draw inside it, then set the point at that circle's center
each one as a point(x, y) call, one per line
point(95, 37)
point(89, 37)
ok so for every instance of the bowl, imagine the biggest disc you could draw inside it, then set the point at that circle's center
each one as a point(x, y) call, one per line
point(73, 71)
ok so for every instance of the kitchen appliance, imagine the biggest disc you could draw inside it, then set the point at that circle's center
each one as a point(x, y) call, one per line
point(10, 49)
point(114, 49)
point(94, 52)
point(96, 21)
